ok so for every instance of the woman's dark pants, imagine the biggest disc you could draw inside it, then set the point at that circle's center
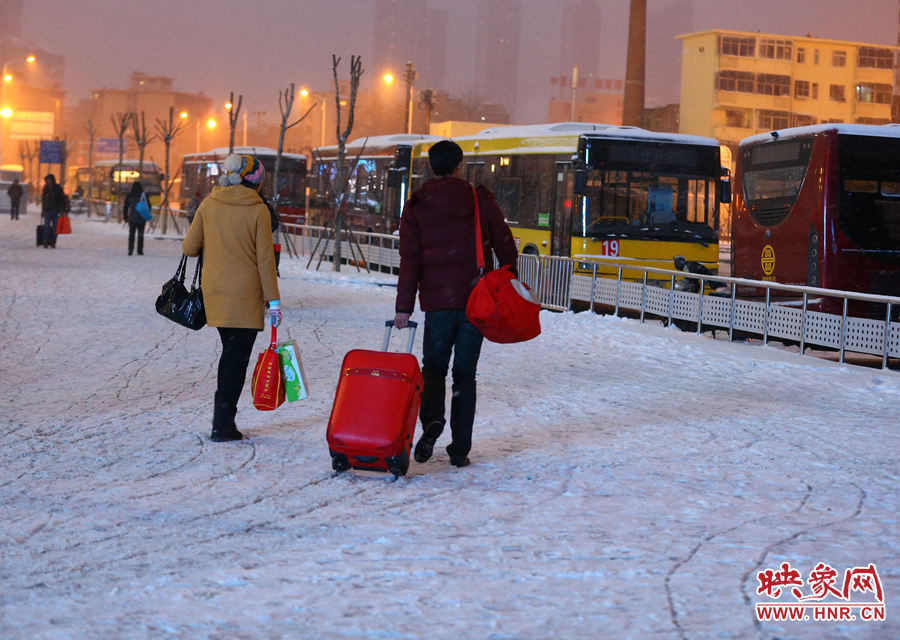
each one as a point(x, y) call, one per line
point(237, 346)
point(136, 229)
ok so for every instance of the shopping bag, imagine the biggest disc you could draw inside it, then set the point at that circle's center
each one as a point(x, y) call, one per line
point(500, 306)
point(180, 305)
point(295, 386)
point(63, 225)
point(267, 385)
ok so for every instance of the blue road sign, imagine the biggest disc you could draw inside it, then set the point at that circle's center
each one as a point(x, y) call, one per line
point(51, 151)
point(110, 145)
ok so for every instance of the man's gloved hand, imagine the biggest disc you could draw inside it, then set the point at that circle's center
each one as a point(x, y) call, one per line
point(275, 312)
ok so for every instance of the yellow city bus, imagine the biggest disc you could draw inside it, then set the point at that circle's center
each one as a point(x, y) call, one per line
point(596, 191)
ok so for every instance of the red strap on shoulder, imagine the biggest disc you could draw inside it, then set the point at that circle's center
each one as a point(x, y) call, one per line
point(479, 249)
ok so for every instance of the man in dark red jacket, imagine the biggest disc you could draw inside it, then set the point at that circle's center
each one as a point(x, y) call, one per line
point(437, 259)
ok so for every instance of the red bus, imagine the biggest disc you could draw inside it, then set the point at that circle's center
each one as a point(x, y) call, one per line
point(820, 206)
point(200, 172)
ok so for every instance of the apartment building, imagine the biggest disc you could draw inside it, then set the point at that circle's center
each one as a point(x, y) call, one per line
point(735, 84)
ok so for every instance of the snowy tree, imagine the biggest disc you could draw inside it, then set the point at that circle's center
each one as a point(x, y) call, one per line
point(120, 123)
point(234, 111)
point(167, 130)
point(92, 135)
point(339, 187)
point(286, 104)
point(140, 137)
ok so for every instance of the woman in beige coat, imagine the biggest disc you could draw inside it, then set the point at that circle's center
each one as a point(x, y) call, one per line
point(232, 228)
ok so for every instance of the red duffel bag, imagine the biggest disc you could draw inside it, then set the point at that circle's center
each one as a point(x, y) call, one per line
point(503, 308)
point(267, 385)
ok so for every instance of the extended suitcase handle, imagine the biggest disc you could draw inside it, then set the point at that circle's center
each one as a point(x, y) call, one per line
point(389, 324)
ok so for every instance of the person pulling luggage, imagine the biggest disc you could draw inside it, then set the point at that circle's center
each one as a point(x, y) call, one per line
point(437, 259)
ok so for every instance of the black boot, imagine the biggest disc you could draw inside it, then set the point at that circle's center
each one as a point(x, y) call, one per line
point(226, 435)
point(425, 446)
point(223, 427)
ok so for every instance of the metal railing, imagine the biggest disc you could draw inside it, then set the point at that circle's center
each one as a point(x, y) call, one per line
point(560, 283)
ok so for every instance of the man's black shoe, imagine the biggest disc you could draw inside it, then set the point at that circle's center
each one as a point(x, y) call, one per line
point(458, 462)
point(425, 446)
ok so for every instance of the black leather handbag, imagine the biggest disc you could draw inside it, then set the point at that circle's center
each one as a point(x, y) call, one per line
point(180, 305)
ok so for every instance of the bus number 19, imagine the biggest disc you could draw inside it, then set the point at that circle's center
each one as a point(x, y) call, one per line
point(609, 248)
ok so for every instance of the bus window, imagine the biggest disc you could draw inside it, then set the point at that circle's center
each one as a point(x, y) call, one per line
point(475, 172)
point(660, 198)
point(773, 174)
point(508, 192)
point(537, 175)
point(869, 201)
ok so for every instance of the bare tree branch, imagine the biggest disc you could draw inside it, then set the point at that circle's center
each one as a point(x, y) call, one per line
point(233, 118)
point(167, 130)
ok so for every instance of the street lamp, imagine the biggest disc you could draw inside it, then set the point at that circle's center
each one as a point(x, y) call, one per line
point(410, 76)
point(305, 93)
point(5, 111)
point(210, 124)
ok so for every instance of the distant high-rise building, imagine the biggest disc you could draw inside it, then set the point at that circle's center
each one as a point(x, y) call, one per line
point(581, 39)
point(11, 18)
point(662, 85)
point(497, 52)
point(408, 31)
point(432, 50)
point(395, 23)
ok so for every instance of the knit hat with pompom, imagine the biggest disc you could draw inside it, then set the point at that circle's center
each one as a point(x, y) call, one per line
point(239, 168)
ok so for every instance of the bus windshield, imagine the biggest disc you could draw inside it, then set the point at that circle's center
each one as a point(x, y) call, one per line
point(650, 189)
point(773, 173)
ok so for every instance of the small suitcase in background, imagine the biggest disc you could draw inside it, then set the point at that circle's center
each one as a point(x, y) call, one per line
point(40, 235)
point(376, 406)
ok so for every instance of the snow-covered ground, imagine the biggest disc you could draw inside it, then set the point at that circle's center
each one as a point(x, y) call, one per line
point(627, 480)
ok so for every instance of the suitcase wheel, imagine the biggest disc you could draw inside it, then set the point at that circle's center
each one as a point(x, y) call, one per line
point(339, 462)
point(398, 465)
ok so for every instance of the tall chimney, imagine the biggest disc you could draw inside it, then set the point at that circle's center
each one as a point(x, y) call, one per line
point(633, 108)
point(895, 102)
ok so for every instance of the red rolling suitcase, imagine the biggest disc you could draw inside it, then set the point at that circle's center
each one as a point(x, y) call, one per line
point(375, 409)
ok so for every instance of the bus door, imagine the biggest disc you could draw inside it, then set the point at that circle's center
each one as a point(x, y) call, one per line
point(561, 214)
point(396, 188)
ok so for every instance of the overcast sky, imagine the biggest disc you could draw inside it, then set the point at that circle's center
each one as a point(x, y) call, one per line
point(259, 48)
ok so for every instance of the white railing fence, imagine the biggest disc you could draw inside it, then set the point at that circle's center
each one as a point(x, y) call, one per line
point(563, 283)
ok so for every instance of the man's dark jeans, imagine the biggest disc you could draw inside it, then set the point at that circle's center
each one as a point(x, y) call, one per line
point(447, 331)
point(50, 219)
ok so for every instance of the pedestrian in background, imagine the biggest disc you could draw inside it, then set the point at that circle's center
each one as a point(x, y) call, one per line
point(136, 222)
point(232, 228)
point(437, 259)
point(15, 193)
point(53, 202)
point(192, 205)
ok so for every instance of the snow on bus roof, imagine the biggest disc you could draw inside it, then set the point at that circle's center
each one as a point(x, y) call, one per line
point(891, 130)
point(381, 142)
point(560, 137)
point(149, 165)
point(222, 152)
